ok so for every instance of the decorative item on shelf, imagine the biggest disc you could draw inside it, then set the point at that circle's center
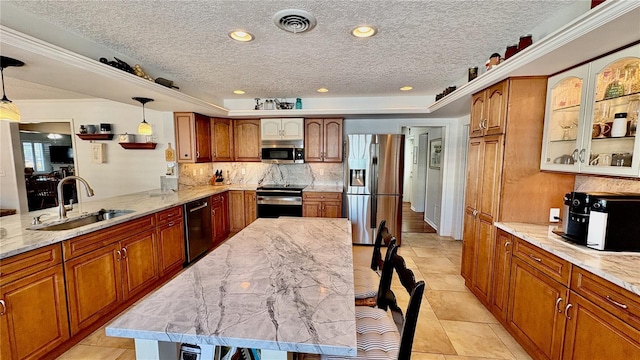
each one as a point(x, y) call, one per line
point(138, 71)
point(91, 129)
point(445, 92)
point(8, 110)
point(511, 50)
point(144, 128)
point(105, 128)
point(494, 60)
point(170, 158)
point(283, 105)
point(620, 124)
point(633, 112)
point(228, 178)
point(298, 103)
point(126, 138)
point(83, 130)
point(525, 41)
point(472, 73)
point(614, 90)
point(165, 82)
point(118, 64)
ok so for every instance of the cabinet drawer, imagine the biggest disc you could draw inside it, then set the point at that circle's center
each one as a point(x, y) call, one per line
point(327, 196)
point(98, 239)
point(173, 214)
point(549, 264)
point(30, 262)
point(217, 198)
point(611, 297)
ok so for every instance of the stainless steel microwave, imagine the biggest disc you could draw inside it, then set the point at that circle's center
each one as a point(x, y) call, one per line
point(282, 152)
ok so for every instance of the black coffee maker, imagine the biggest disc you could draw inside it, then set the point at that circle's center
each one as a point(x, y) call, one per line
point(577, 206)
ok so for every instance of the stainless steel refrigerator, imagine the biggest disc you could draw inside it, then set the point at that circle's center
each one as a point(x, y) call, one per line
point(373, 184)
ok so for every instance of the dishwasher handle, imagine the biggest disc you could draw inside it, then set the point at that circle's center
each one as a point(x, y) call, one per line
point(204, 205)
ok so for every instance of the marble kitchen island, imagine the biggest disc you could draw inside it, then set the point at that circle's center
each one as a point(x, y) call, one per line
point(280, 285)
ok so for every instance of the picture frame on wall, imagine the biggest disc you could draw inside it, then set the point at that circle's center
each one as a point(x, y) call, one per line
point(435, 153)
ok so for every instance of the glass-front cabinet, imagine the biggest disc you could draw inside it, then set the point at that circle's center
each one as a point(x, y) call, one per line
point(592, 116)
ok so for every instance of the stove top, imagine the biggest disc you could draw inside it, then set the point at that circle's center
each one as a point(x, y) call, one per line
point(281, 187)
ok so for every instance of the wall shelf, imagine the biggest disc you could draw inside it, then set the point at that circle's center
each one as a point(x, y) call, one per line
point(138, 146)
point(95, 136)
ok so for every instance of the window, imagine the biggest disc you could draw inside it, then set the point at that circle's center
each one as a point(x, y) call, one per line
point(34, 155)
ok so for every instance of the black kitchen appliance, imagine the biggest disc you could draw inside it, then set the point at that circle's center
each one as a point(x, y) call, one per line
point(282, 152)
point(198, 231)
point(279, 200)
point(614, 224)
point(577, 212)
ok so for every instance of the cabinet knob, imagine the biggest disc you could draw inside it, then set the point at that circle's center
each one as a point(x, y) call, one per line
point(119, 255)
point(4, 307)
point(124, 253)
point(557, 305)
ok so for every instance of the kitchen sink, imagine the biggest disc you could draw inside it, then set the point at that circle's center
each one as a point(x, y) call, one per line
point(79, 221)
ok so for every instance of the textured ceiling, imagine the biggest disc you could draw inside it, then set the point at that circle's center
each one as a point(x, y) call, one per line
point(426, 44)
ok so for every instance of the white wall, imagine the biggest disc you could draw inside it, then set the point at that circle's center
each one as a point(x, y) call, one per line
point(11, 172)
point(433, 191)
point(125, 171)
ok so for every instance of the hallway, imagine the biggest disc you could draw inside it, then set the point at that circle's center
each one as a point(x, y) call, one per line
point(413, 222)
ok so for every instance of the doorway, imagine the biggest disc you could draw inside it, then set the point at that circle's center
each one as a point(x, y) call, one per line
point(48, 157)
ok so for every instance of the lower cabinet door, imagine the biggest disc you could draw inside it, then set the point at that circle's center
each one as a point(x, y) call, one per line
point(140, 268)
point(535, 313)
point(171, 253)
point(311, 209)
point(34, 316)
point(501, 271)
point(332, 209)
point(94, 285)
point(483, 261)
point(593, 333)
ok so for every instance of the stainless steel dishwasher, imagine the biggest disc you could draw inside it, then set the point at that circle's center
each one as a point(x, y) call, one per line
point(198, 234)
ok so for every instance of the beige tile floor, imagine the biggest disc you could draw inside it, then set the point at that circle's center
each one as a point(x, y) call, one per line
point(453, 324)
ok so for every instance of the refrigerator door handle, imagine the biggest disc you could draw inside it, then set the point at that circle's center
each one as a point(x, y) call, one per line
point(375, 148)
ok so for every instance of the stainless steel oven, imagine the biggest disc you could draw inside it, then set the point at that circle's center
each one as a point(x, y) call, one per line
point(279, 200)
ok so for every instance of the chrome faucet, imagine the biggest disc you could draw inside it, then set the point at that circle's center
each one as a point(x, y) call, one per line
point(62, 210)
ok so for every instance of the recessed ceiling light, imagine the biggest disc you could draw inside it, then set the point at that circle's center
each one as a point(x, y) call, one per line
point(239, 92)
point(364, 31)
point(242, 36)
point(406, 88)
point(322, 90)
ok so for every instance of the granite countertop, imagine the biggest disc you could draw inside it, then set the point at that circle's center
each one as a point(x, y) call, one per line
point(275, 285)
point(16, 239)
point(620, 268)
point(324, 188)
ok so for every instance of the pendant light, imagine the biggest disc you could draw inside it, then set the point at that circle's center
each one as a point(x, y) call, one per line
point(8, 110)
point(144, 128)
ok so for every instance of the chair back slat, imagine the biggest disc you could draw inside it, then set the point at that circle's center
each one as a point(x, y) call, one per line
point(384, 289)
point(376, 260)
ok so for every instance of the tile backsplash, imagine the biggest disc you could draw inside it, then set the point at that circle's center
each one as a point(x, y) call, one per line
point(605, 184)
point(261, 173)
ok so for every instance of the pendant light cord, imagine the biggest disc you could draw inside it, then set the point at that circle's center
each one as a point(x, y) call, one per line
point(4, 96)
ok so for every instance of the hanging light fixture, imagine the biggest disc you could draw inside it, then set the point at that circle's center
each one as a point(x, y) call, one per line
point(8, 110)
point(144, 128)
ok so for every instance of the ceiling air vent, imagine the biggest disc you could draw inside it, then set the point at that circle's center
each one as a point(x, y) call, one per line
point(294, 21)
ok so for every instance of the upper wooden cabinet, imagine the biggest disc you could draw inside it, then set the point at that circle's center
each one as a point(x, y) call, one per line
point(592, 116)
point(283, 129)
point(222, 139)
point(323, 140)
point(246, 135)
point(193, 137)
point(489, 110)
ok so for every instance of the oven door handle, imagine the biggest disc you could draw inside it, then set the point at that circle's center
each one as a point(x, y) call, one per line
point(279, 200)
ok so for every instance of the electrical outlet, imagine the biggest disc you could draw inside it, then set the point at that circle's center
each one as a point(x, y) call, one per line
point(242, 171)
point(194, 172)
point(201, 171)
point(321, 172)
point(554, 215)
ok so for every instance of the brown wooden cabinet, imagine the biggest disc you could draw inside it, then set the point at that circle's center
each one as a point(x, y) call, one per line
point(501, 273)
point(246, 134)
point(193, 137)
point(323, 140)
point(33, 308)
point(250, 207)
point(170, 230)
point(536, 305)
point(222, 139)
point(220, 217)
point(105, 268)
point(594, 333)
point(503, 170)
point(322, 204)
point(242, 209)
point(488, 110)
